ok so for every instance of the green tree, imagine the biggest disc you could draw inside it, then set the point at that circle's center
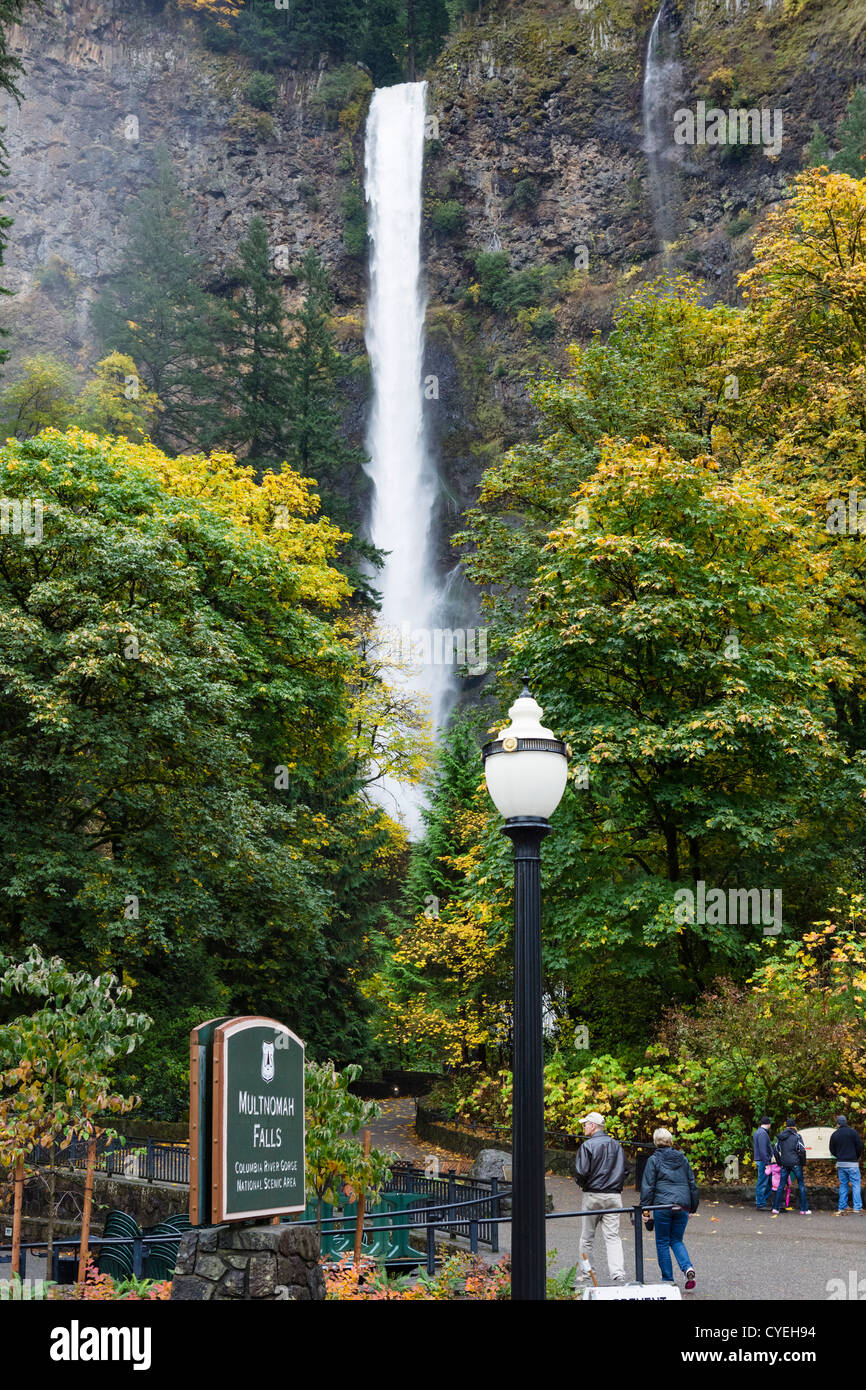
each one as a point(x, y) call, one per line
point(679, 640)
point(316, 446)
point(41, 397)
point(261, 91)
point(116, 401)
point(155, 311)
point(851, 158)
point(63, 1055)
point(448, 831)
point(660, 375)
point(256, 418)
point(335, 1157)
point(818, 151)
point(177, 657)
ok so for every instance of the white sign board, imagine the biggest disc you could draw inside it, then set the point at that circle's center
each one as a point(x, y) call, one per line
point(658, 1293)
point(817, 1141)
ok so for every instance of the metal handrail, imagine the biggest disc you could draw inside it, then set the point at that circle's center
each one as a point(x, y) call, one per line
point(430, 1226)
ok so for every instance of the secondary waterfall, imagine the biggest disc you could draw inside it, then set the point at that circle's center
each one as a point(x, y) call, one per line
point(404, 481)
point(662, 94)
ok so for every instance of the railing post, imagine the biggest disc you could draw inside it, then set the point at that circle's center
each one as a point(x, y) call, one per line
point(149, 1161)
point(452, 1197)
point(638, 1245)
point(494, 1227)
point(473, 1234)
point(431, 1241)
point(137, 1257)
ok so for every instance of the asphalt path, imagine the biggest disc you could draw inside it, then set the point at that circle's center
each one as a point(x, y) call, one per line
point(738, 1253)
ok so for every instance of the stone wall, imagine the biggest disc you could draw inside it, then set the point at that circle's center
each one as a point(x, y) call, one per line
point(147, 1202)
point(270, 1263)
point(457, 1141)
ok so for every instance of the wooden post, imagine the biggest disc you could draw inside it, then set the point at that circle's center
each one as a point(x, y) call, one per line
point(16, 1216)
point(359, 1219)
point(88, 1202)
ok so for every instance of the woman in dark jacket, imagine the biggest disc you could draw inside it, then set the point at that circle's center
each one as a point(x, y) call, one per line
point(668, 1177)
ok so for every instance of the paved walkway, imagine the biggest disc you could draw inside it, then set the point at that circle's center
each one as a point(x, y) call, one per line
point(738, 1253)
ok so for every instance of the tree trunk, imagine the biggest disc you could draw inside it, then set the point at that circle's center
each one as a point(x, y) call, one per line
point(672, 853)
point(88, 1203)
point(362, 1202)
point(49, 1233)
point(52, 1184)
point(16, 1216)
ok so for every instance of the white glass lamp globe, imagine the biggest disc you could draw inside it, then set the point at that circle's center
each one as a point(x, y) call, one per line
point(527, 765)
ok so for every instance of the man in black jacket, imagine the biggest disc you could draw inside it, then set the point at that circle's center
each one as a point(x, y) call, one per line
point(846, 1146)
point(790, 1152)
point(762, 1151)
point(600, 1169)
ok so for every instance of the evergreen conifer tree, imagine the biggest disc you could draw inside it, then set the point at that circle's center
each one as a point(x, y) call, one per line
point(317, 448)
point(255, 422)
point(851, 158)
point(155, 311)
point(456, 782)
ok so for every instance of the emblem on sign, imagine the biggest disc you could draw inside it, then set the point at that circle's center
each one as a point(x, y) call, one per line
point(267, 1061)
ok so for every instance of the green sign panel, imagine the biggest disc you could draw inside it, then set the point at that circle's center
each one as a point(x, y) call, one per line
point(258, 1118)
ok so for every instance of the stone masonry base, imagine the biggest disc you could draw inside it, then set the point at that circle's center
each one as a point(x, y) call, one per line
point(249, 1262)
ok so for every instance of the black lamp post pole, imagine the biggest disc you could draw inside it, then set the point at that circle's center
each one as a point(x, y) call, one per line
point(528, 1245)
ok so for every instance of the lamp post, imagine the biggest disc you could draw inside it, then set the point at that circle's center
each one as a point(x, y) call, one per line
point(525, 769)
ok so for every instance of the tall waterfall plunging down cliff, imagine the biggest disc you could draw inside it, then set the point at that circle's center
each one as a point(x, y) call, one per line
point(404, 482)
point(662, 94)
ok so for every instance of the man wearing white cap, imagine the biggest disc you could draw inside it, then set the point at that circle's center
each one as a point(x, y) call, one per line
point(600, 1169)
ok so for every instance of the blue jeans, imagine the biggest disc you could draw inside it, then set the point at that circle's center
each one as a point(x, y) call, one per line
point(670, 1229)
point(849, 1173)
point(797, 1173)
point(763, 1189)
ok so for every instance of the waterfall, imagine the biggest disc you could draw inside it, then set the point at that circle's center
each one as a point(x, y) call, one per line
point(662, 94)
point(404, 481)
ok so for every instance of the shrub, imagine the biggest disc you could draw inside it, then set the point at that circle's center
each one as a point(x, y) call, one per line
point(450, 180)
point(541, 323)
point(309, 193)
point(342, 95)
point(507, 291)
point(525, 195)
point(55, 276)
point(261, 91)
point(101, 1288)
point(257, 123)
point(354, 212)
point(448, 218)
point(461, 1276)
point(720, 86)
point(741, 223)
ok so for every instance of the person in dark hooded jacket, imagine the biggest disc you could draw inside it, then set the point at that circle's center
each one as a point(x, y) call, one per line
point(668, 1177)
point(790, 1153)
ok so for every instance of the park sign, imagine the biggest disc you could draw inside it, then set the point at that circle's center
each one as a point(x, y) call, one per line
point(632, 1293)
point(246, 1120)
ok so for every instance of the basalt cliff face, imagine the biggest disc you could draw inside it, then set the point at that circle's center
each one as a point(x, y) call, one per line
point(535, 131)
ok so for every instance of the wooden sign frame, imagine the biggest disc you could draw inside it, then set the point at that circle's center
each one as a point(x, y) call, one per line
point(222, 1035)
point(201, 1118)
